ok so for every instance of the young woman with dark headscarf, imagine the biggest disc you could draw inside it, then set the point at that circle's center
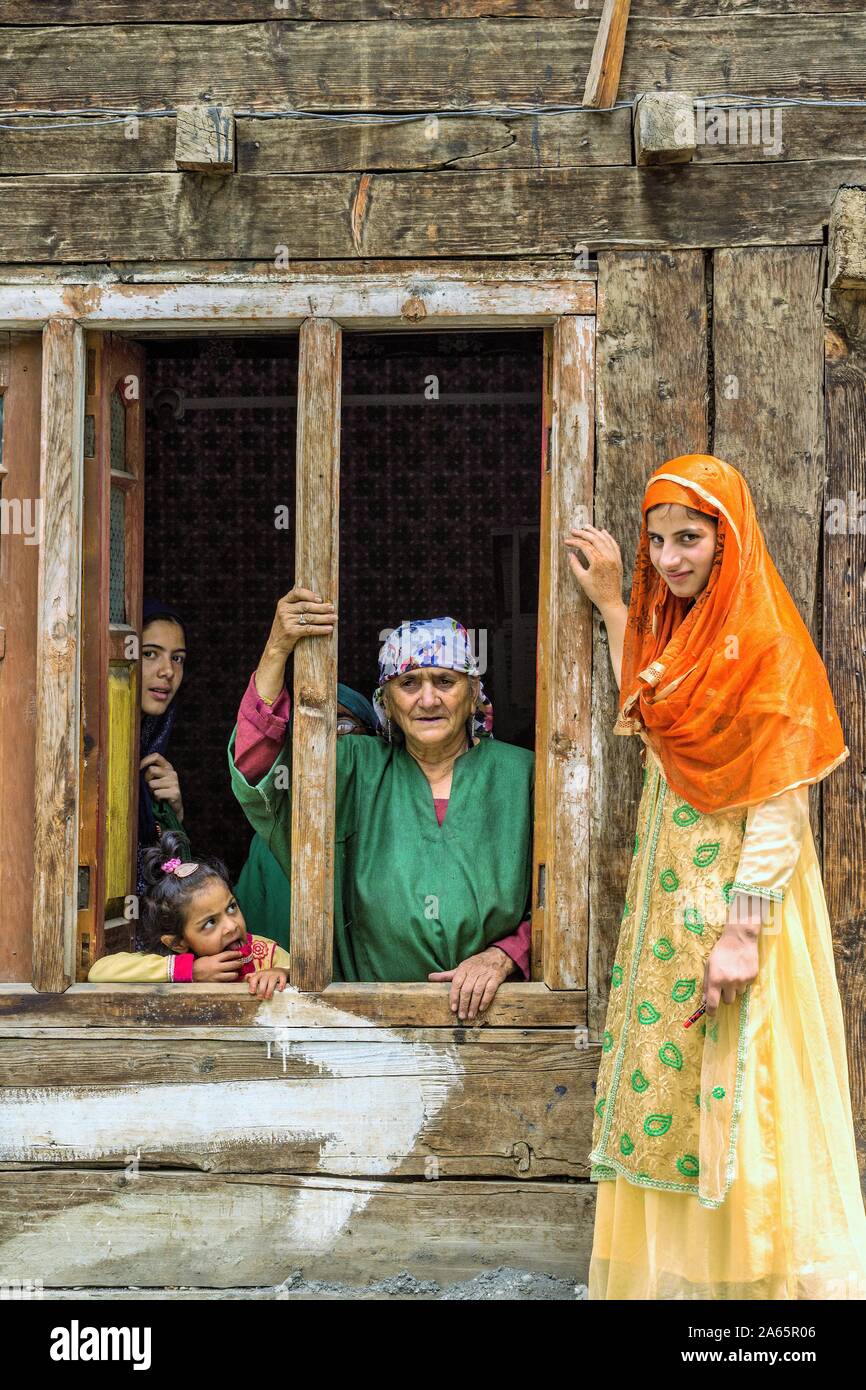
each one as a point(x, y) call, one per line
point(163, 653)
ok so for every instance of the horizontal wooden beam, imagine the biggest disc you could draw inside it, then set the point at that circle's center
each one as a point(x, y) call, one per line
point(528, 1005)
point(98, 1229)
point(287, 217)
point(384, 302)
point(728, 133)
point(522, 1107)
point(200, 12)
point(411, 64)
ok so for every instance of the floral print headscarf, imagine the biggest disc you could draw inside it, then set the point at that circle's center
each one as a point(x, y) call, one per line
point(439, 642)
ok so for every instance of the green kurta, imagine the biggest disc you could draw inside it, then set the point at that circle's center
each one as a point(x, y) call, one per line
point(265, 894)
point(411, 896)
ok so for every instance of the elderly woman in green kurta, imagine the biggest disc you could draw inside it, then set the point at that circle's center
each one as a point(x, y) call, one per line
point(433, 826)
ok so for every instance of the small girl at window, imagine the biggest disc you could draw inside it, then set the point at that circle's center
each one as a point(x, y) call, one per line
point(192, 929)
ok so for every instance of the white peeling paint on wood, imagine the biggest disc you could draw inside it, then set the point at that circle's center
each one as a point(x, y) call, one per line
point(368, 1121)
point(285, 305)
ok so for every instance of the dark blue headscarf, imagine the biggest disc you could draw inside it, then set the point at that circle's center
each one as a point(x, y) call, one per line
point(154, 738)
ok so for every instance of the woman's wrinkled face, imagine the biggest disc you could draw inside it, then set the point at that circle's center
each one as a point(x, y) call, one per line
point(214, 921)
point(163, 654)
point(432, 705)
point(681, 548)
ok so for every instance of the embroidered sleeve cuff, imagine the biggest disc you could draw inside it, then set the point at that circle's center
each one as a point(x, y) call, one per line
point(771, 844)
point(776, 894)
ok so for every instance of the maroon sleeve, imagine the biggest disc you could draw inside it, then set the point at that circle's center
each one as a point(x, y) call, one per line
point(261, 732)
point(517, 946)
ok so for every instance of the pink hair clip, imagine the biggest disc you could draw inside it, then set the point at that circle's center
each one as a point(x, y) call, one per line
point(178, 868)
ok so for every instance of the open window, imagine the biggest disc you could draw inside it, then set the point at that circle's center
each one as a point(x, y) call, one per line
point(92, 479)
point(111, 591)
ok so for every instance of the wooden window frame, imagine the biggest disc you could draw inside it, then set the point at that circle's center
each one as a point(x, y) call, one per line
point(320, 309)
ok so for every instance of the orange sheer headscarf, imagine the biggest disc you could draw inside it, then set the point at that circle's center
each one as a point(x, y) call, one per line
point(730, 693)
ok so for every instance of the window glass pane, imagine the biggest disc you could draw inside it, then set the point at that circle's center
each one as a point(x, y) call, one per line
point(118, 431)
point(117, 562)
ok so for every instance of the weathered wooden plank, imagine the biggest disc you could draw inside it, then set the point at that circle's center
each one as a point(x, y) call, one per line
point(104, 1229)
point(58, 639)
point(314, 745)
point(566, 728)
point(844, 568)
point(538, 212)
point(726, 133)
point(455, 142)
point(392, 1106)
point(602, 82)
point(20, 384)
point(424, 64)
point(768, 349)
point(422, 1005)
point(94, 12)
point(571, 278)
point(651, 405)
point(397, 301)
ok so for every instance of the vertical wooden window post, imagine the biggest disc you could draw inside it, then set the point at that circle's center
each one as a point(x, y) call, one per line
point(314, 746)
point(58, 646)
point(561, 872)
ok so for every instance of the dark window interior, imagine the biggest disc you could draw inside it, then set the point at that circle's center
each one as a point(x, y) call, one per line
point(439, 514)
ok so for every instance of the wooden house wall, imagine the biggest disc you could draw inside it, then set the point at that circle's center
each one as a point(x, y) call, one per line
point(436, 1149)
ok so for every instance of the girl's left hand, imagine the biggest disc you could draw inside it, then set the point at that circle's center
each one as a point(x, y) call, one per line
point(163, 781)
point(732, 964)
point(266, 981)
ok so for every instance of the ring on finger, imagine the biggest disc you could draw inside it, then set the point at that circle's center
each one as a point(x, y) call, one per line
point(302, 620)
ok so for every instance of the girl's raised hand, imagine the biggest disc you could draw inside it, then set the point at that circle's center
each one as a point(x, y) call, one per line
point(601, 580)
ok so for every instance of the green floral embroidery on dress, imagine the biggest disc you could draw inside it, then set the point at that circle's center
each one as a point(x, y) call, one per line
point(616, 976)
point(685, 815)
point(698, 1099)
point(668, 880)
point(599, 1108)
point(663, 948)
point(626, 910)
point(639, 1081)
point(607, 1041)
point(626, 1145)
point(646, 1013)
point(683, 990)
point(688, 1166)
point(670, 1054)
point(657, 1125)
point(719, 1092)
point(693, 921)
point(728, 891)
point(636, 843)
point(706, 853)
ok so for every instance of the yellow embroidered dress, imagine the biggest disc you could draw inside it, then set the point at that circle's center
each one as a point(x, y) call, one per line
point(724, 1152)
point(748, 1115)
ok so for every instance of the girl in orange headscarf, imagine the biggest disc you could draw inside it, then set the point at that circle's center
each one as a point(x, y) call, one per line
point(724, 1148)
